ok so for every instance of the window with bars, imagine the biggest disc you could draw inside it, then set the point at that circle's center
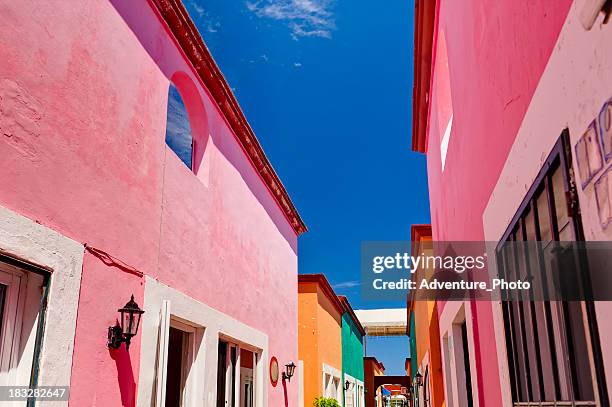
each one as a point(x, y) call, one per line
point(551, 347)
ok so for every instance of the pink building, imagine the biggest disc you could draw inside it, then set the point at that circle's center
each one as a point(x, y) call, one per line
point(95, 207)
point(512, 105)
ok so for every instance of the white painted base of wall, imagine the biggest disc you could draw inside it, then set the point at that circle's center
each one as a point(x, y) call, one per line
point(202, 381)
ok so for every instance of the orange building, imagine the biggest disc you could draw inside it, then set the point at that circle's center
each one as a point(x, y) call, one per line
point(319, 339)
point(423, 329)
point(371, 368)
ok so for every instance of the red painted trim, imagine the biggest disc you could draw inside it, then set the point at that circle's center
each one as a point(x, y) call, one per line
point(182, 27)
point(424, 24)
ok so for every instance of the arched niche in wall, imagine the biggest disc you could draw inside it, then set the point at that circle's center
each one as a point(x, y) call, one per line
point(187, 129)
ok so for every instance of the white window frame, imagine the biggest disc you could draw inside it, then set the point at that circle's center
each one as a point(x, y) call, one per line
point(333, 387)
point(360, 394)
point(453, 315)
point(24, 239)
point(190, 333)
point(213, 326)
point(233, 396)
point(10, 331)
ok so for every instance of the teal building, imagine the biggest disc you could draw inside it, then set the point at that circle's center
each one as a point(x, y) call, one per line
point(352, 357)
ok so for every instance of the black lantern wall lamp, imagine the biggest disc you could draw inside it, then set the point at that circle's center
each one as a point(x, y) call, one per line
point(130, 320)
point(289, 370)
point(419, 379)
point(347, 385)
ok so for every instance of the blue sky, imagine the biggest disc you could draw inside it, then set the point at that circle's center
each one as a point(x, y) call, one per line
point(326, 86)
point(178, 129)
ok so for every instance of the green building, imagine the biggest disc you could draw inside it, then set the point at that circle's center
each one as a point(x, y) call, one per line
point(352, 357)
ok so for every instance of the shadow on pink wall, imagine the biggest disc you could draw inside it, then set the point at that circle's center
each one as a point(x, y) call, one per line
point(125, 376)
point(285, 393)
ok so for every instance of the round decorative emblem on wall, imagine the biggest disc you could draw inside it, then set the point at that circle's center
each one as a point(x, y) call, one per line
point(274, 371)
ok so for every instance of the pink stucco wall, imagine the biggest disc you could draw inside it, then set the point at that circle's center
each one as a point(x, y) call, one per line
point(570, 93)
point(494, 65)
point(83, 95)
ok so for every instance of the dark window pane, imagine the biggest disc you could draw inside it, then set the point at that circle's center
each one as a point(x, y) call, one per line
point(547, 342)
point(530, 230)
point(466, 365)
point(221, 366)
point(547, 356)
point(174, 381)
point(578, 353)
point(233, 358)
